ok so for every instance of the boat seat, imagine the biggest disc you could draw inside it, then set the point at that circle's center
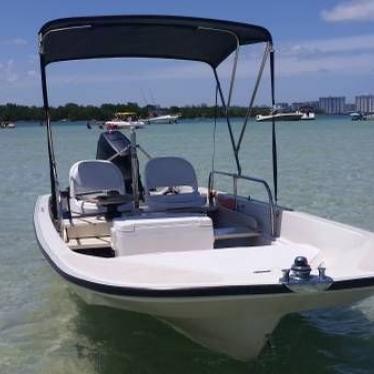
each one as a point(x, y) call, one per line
point(91, 176)
point(235, 232)
point(171, 183)
point(85, 227)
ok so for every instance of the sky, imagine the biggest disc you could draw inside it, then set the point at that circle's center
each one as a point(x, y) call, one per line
point(323, 48)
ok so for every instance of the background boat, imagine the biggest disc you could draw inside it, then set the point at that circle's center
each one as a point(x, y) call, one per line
point(163, 119)
point(124, 120)
point(287, 116)
point(308, 116)
point(7, 125)
point(359, 116)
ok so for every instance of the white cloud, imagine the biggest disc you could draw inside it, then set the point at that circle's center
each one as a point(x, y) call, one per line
point(32, 73)
point(7, 73)
point(354, 10)
point(350, 65)
point(349, 55)
point(13, 41)
point(329, 46)
point(33, 58)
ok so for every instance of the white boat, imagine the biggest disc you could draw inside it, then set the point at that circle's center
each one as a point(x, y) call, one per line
point(124, 120)
point(358, 116)
point(280, 116)
point(219, 267)
point(308, 116)
point(163, 119)
point(7, 125)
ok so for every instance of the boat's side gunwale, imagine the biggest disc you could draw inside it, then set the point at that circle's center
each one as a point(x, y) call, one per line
point(203, 291)
point(215, 291)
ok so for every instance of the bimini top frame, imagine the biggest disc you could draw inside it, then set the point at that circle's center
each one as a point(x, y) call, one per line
point(183, 38)
point(145, 36)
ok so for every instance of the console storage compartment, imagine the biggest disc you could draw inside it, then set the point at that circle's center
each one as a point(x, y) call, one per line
point(161, 233)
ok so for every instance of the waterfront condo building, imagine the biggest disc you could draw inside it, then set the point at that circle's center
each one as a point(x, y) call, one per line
point(365, 103)
point(332, 105)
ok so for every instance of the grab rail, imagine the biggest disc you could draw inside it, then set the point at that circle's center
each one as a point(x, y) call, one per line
point(235, 177)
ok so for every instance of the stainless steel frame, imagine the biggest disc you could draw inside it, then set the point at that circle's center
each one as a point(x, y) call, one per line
point(55, 192)
point(235, 177)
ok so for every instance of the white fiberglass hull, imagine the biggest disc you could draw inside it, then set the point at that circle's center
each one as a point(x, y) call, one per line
point(123, 125)
point(279, 117)
point(308, 116)
point(238, 326)
point(228, 308)
point(163, 120)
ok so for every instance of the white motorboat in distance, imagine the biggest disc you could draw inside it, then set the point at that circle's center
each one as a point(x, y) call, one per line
point(124, 120)
point(7, 125)
point(280, 116)
point(169, 119)
point(308, 116)
point(221, 268)
point(358, 116)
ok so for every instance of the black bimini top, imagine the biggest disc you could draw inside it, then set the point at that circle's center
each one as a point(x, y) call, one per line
point(183, 38)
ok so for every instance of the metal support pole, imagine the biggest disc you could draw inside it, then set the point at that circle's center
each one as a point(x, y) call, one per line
point(134, 168)
point(235, 190)
point(254, 93)
point(273, 132)
point(235, 64)
point(232, 81)
point(145, 153)
point(55, 208)
point(228, 121)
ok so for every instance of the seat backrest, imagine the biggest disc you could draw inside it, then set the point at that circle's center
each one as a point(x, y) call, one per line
point(168, 172)
point(95, 175)
point(164, 172)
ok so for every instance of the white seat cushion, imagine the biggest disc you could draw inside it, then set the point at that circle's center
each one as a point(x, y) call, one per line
point(94, 176)
point(174, 173)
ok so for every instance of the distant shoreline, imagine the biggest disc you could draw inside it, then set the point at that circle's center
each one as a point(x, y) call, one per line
point(74, 112)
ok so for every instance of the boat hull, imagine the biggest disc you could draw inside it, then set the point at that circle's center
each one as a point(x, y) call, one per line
point(163, 120)
point(279, 117)
point(234, 319)
point(236, 326)
point(121, 125)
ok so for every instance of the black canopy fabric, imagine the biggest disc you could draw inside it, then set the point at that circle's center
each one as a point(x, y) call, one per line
point(184, 38)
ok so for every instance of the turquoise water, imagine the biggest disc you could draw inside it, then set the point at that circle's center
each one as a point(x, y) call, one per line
point(326, 168)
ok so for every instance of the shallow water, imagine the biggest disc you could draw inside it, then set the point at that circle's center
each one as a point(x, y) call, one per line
point(326, 168)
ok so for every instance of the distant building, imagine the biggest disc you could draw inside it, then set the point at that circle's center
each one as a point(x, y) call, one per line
point(296, 106)
point(310, 105)
point(283, 106)
point(332, 105)
point(350, 107)
point(365, 103)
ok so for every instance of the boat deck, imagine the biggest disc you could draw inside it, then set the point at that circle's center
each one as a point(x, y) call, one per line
point(198, 268)
point(94, 231)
